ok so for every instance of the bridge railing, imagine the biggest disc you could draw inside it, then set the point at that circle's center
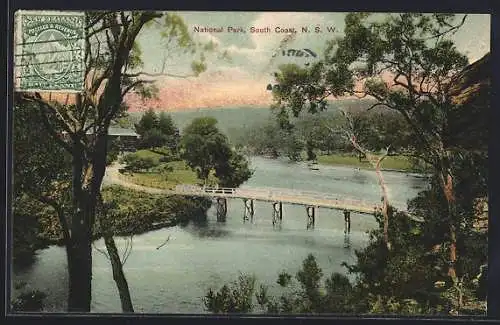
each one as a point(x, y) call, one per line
point(204, 189)
point(276, 192)
point(272, 193)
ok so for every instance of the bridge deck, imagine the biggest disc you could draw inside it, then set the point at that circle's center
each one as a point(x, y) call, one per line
point(306, 198)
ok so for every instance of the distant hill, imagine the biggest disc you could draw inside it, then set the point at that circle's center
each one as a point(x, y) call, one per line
point(237, 118)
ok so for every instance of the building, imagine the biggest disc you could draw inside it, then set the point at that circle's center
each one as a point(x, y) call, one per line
point(126, 139)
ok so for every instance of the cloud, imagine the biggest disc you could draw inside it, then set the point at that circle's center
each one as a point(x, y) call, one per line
point(229, 87)
point(242, 81)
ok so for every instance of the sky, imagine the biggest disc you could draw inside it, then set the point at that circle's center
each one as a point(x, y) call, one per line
point(241, 81)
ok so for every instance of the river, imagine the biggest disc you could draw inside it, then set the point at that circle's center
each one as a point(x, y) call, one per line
point(174, 278)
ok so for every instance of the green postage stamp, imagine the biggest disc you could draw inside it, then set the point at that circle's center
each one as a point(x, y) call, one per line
point(49, 51)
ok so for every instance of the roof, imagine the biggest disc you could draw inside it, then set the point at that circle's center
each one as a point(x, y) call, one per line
point(116, 131)
point(122, 132)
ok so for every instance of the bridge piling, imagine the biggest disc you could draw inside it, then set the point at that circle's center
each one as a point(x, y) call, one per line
point(277, 213)
point(221, 209)
point(347, 222)
point(311, 216)
point(249, 210)
point(347, 241)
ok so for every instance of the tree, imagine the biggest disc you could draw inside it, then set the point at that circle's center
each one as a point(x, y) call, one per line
point(233, 172)
point(167, 127)
point(41, 173)
point(204, 146)
point(416, 52)
point(148, 121)
point(304, 296)
point(206, 149)
point(157, 130)
point(112, 70)
point(153, 138)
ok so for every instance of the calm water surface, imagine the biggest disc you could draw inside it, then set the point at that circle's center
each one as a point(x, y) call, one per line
point(174, 278)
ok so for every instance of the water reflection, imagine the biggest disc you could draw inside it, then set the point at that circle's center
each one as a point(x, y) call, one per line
point(211, 232)
point(347, 241)
point(360, 177)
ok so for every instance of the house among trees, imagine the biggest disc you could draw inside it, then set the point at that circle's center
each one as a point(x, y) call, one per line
point(125, 139)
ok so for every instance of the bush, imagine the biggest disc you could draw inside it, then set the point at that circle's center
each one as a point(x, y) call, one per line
point(234, 298)
point(306, 295)
point(168, 157)
point(129, 212)
point(135, 163)
point(153, 138)
point(29, 301)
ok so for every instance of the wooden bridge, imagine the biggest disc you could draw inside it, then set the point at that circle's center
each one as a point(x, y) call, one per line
point(311, 200)
point(290, 196)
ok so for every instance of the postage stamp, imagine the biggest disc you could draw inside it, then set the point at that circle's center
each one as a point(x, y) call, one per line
point(49, 51)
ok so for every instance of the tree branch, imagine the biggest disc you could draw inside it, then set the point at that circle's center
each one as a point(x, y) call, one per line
point(50, 128)
point(159, 74)
point(453, 28)
point(60, 214)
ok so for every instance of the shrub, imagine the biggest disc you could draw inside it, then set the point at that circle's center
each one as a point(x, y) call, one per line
point(135, 163)
point(29, 301)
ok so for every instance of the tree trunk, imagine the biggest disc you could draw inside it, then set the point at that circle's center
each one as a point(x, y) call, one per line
point(376, 161)
point(385, 201)
point(80, 266)
point(118, 275)
point(447, 186)
point(80, 245)
point(87, 179)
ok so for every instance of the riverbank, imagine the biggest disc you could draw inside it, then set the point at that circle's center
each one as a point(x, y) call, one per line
point(136, 212)
point(132, 212)
point(390, 163)
point(164, 175)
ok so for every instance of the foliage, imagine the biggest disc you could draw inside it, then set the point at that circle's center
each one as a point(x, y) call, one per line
point(409, 64)
point(205, 148)
point(234, 298)
point(113, 151)
point(136, 163)
point(310, 296)
point(153, 138)
point(412, 48)
point(157, 131)
point(31, 301)
point(147, 122)
point(39, 162)
point(263, 139)
point(167, 127)
point(403, 281)
point(322, 133)
point(41, 169)
point(233, 172)
point(412, 277)
point(25, 231)
point(132, 212)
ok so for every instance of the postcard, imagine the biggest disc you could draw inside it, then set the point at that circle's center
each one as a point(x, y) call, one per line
point(313, 163)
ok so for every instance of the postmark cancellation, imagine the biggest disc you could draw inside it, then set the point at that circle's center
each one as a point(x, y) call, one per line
point(49, 51)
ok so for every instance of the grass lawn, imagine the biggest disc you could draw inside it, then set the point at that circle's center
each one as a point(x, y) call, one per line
point(145, 153)
point(159, 177)
point(391, 162)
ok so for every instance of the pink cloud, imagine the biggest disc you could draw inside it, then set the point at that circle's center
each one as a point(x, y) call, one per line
point(226, 88)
